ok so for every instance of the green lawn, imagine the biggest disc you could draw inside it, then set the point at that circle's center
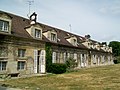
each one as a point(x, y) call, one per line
point(97, 78)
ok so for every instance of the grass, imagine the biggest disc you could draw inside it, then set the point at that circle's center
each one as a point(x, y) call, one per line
point(97, 78)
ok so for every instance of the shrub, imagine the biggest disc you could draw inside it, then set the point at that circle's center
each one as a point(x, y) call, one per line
point(71, 64)
point(57, 68)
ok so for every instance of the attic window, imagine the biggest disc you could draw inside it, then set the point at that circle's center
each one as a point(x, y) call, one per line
point(37, 33)
point(74, 42)
point(4, 26)
point(53, 37)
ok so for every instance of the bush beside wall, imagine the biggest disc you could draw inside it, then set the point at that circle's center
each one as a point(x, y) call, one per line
point(57, 68)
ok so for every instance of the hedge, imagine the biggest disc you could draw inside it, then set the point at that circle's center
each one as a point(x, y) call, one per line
point(57, 68)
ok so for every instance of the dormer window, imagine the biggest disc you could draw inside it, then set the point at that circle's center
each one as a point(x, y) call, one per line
point(74, 42)
point(4, 26)
point(53, 37)
point(37, 33)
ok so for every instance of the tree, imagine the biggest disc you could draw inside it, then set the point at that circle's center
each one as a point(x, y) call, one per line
point(115, 47)
point(71, 64)
point(116, 50)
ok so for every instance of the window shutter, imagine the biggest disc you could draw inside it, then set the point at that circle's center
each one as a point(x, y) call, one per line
point(75, 56)
point(103, 59)
point(54, 57)
point(82, 60)
point(98, 60)
point(85, 59)
point(42, 60)
point(35, 60)
point(68, 55)
point(64, 57)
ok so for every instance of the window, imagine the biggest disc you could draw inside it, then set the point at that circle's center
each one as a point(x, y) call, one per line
point(21, 52)
point(37, 33)
point(3, 65)
point(42, 57)
point(21, 65)
point(4, 26)
point(74, 42)
point(53, 37)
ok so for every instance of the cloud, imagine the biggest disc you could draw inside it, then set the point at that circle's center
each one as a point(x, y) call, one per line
point(115, 10)
point(20, 1)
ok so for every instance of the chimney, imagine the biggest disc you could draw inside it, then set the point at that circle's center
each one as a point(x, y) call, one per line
point(87, 36)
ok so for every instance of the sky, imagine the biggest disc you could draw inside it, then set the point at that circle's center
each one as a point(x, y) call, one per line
point(98, 18)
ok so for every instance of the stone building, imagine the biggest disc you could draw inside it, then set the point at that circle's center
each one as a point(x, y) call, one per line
point(22, 46)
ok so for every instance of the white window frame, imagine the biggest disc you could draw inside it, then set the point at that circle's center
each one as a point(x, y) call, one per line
point(53, 37)
point(75, 56)
point(54, 57)
point(21, 65)
point(2, 66)
point(38, 33)
point(5, 26)
point(68, 55)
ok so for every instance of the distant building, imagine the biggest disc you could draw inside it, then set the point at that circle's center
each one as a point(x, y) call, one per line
point(22, 46)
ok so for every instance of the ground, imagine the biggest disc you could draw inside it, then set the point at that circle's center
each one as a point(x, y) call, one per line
point(96, 78)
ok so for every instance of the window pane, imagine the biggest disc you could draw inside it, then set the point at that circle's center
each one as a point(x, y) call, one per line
point(4, 25)
point(3, 65)
point(21, 52)
point(21, 65)
point(37, 33)
point(53, 37)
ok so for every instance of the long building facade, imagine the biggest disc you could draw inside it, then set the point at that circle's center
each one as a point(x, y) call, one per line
point(23, 41)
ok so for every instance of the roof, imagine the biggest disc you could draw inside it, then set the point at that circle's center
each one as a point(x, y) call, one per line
point(19, 25)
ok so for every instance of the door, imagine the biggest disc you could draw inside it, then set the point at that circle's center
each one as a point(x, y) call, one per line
point(42, 61)
point(39, 61)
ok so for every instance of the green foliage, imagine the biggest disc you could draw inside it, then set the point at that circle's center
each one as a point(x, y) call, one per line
point(117, 60)
point(57, 68)
point(71, 64)
point(48, 56)
point(115, 47)
point(116, 51)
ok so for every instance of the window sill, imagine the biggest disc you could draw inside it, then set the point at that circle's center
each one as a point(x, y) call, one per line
point(3, 57)
point(21, 69)
point(22, 58)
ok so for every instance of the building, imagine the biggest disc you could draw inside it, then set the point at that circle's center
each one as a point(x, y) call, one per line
point(23, 41)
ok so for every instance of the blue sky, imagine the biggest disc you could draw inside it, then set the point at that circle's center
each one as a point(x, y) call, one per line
point(99, 18)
